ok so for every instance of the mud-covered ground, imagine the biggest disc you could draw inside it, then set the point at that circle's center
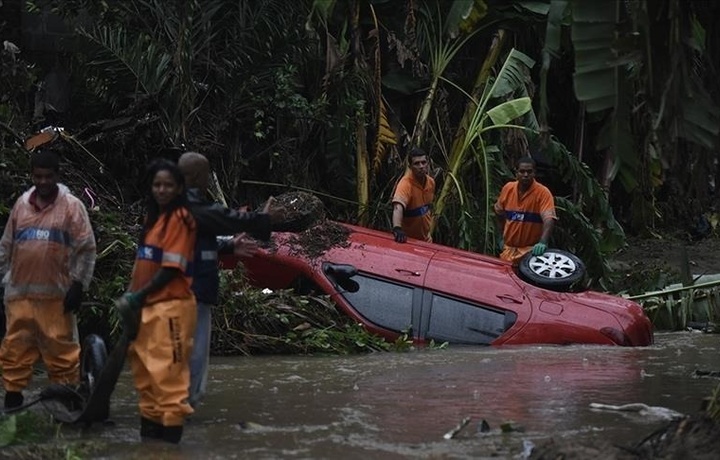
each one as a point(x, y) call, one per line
point(703, 256)
point(648, 264)
point(694, 438)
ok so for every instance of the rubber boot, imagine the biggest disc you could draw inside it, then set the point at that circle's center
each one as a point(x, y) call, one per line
point(172, 434)
point(13, 399)
point(150, 429)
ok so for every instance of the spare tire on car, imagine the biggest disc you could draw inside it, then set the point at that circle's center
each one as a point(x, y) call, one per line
point(556, 269)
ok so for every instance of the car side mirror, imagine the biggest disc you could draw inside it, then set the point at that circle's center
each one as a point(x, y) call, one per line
point(340, 270)
point(349, 285)
point(341, 275)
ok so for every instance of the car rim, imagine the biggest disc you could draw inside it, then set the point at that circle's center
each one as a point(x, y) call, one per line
point(552, 265)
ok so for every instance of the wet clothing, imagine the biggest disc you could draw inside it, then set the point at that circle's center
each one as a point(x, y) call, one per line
point(42, 251)
point(159, 359)
point(39, 328)
point(417, 203)
point(524, 217)
point(159, 356)
point(170, 243)
point(215, 220)
point(212, 220)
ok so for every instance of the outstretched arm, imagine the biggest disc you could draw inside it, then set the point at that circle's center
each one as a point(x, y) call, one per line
point(215, 219)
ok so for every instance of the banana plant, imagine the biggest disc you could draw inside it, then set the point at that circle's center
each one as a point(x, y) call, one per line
point(442, 51)
point(484, 119)
point(651, 105)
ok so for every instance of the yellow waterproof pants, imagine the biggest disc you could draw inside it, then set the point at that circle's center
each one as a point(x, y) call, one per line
point(160, 360)
point(39, 328)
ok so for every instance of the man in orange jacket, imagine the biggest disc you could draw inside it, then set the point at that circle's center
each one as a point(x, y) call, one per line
point(47, 258)
point(525, 213)
point(412, 200)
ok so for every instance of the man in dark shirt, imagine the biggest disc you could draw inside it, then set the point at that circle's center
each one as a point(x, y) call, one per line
point(212, 220)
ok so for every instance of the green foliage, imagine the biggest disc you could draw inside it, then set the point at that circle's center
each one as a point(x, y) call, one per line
point(113, 267)
point(713, 408)
point(253, 321)
point(577, 234)
point(509, 81)
point(17, 77)
point(405, 343)
point(26, 428)
point(266, 98)
point(591, 199)
point(8, 430)
point(596, 66)
point(351, 338)
point(674, 311)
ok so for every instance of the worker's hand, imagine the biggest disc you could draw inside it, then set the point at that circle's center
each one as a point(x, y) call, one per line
point(276, 212)
point(244, 246)
point(539, 249)
point(128, 308)
point(73, 297)
point(133, 300)
point(400, 236)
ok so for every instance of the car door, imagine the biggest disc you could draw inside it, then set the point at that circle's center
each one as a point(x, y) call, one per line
point(471, 299)
point(389, 278)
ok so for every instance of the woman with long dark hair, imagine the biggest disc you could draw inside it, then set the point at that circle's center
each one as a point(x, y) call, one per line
point(160, 292)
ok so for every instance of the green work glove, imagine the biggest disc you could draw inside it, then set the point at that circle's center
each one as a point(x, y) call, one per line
point(539, 249)
point(128, 307)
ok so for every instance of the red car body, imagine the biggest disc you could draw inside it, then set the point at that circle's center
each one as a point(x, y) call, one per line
point(435, 292)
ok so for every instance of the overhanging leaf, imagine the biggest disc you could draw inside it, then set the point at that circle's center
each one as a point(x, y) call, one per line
point(512, 75)
point(596, 74)
point(700, 121)
point(510, 110)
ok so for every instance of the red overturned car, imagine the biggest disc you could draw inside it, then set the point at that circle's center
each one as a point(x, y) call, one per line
point(435, 292)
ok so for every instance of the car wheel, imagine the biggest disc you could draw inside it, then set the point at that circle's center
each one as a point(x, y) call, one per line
point(555, 269)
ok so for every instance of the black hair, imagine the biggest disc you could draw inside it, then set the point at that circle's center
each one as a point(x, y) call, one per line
point(46, 159)
point(526, 160)
point(414, 153)
point(153, 209)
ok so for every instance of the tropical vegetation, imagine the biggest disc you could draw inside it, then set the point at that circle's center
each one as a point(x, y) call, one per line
point(617, 100)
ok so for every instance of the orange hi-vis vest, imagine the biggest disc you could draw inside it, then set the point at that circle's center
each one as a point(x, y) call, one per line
point(417, 203)
point(169, 243)
point(524, 214)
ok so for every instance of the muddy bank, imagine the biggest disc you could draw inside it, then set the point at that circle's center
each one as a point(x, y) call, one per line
point(696, 438)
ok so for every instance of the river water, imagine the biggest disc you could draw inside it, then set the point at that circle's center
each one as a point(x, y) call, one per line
point(400, 405)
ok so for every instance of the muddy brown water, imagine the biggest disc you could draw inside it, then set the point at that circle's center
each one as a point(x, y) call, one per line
point(400, 405)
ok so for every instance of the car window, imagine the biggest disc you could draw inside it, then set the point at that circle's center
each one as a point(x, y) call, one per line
point(455, 321)
point(386, 304)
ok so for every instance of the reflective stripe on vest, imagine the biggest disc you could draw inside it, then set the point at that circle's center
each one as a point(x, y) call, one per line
point(43, 234)
point(521, 216)
point(417, 212)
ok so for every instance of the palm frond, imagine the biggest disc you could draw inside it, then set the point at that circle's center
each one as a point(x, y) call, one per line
point(136, 64)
